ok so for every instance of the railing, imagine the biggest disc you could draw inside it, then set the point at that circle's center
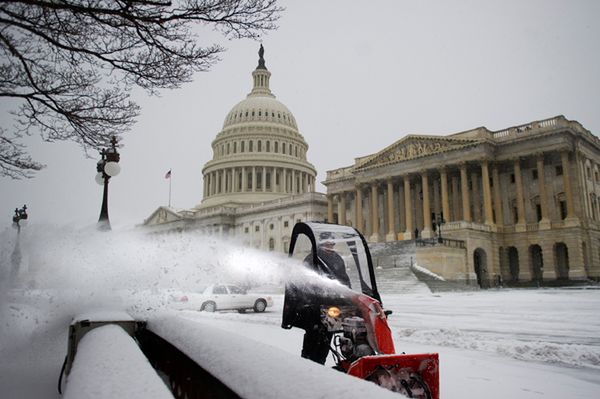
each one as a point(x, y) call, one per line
point(461, 225)
point(513, 131)
point(447, 242)
point(532, 227)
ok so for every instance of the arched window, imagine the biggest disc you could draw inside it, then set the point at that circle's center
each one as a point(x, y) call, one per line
point(277, 146)
point(250, 146)
point(259, 146)
point(268, 146)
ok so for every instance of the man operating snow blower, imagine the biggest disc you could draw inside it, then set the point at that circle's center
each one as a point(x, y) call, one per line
point(317, 339)
point(348, 310)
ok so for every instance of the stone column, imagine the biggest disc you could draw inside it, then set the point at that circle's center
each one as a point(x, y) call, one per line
point(497, 196)
point(293, 182)
point(254, 179)
point(374, 213)
point(342, 209)
point(487, 193)
point(444, 188)
point(521, 223)
point(544, 223)
point(234, 179)
point(358, 217)
point(408, 233)
point(206, 186)
point(244, 180)
point(455, 199)
point(273, 179)
point(464, 188)
point(264, 179)
point(391, 235)
point(330, 208)
point(427, 232)
point(401, 212)
point(475, 198)
point(564, 157)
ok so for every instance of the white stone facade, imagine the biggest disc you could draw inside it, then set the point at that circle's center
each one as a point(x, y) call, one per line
point(523, 204)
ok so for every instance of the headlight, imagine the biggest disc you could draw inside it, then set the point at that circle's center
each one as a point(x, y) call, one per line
point(334, 312)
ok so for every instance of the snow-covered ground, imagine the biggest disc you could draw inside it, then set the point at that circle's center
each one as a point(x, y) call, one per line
point(495, 344)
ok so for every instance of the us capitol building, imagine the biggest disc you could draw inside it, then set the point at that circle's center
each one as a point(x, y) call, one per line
point(519, 206)
point(259, 182)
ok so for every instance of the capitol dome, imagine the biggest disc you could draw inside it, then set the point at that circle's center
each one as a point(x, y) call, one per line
point(259, 155)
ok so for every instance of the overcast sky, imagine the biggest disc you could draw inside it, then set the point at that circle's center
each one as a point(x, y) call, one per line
point(357, 75)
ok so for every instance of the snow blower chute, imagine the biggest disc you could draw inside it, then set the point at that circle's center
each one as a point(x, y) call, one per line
point(345, 316)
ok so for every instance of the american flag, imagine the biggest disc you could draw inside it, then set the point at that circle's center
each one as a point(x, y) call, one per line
point(168, 174)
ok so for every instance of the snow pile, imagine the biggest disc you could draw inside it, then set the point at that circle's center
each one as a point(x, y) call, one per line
point(427, 272)
point(547, 352)
point(255, 370)
point(109, 364)
point(555, 326)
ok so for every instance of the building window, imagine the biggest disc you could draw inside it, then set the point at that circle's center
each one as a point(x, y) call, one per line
point(271, 226)
point(534, 174)
point(256, 228)
point(286, 224)
point(538, 211)
point(259, 146)
point(246, 230)
point(250, 147)
point(512, 177)
point(298, 220)
point(259, 180)
point(235, 147)
point(588, 172)
point(271, 244)
point(268, 146)
point(276, 147)
point(242, 146)
point(559, 170)
point(283, 148)
point(249, 179)
point(563, 209)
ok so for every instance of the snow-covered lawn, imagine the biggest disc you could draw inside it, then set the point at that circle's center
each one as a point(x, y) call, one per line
point(497, 344)
point(493, 344)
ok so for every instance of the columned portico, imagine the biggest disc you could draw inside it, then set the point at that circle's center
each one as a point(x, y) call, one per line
point(508, 202)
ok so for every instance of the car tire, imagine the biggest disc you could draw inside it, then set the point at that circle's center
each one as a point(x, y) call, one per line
point(260, 305)
point(209, 306)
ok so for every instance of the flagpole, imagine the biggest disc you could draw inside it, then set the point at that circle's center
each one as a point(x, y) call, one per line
point(170, 178)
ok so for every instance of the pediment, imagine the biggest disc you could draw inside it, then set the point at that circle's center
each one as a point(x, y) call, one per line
point(412, 147)
point(162, 215)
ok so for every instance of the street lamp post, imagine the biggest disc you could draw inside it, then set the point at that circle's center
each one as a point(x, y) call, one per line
point(439, 221)
point(107, 167)
point(20, 214)
point(15, 258)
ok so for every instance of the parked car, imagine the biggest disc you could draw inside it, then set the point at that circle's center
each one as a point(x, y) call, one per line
point(225, 297)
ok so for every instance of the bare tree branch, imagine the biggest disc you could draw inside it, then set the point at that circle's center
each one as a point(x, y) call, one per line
point(71, 64)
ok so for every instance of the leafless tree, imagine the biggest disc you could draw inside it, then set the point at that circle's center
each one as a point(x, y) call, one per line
point(70, 65)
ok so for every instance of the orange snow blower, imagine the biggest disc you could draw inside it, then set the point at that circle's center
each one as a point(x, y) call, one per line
point(345, 316)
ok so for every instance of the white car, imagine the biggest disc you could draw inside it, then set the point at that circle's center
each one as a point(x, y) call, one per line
point(225, 297)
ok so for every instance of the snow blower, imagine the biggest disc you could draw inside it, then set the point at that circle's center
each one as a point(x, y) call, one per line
point(345, 316)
